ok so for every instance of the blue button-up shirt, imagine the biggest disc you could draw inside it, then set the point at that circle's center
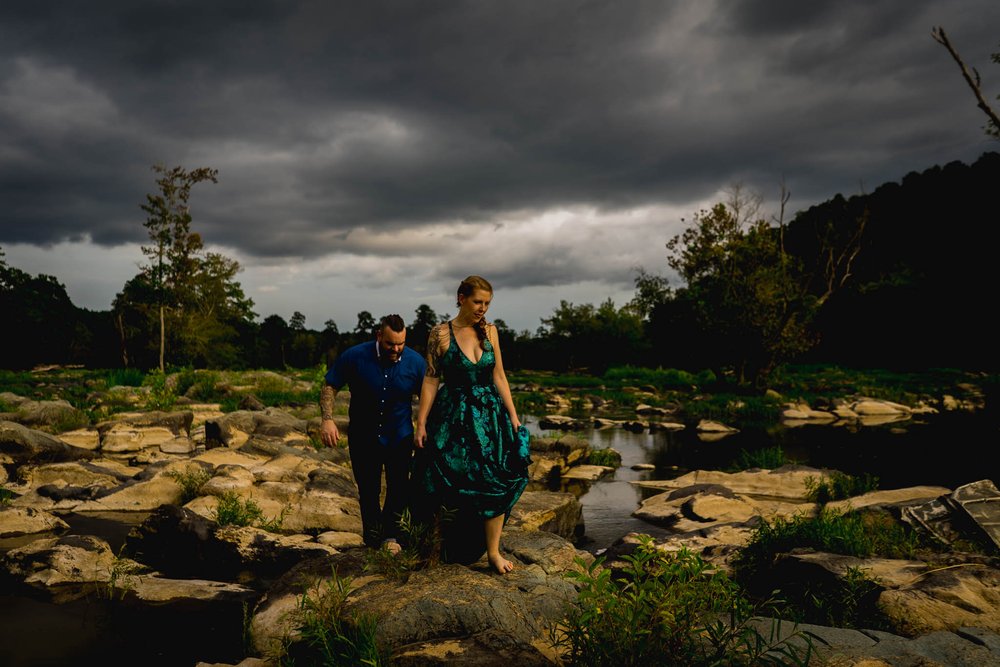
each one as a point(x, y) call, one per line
point(381, 392)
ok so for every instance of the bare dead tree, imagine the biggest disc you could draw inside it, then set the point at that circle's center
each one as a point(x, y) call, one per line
point(971, 76)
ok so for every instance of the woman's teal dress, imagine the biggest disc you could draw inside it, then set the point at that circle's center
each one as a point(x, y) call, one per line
point(474, 461)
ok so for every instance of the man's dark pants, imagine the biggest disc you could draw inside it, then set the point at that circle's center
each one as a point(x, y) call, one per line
point(368, 458)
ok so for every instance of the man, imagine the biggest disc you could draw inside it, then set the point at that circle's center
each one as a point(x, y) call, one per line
point(382, 376)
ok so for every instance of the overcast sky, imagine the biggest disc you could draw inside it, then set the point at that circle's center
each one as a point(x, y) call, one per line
point(372, 154)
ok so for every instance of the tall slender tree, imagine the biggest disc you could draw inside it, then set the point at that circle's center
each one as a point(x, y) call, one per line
point(174, 249)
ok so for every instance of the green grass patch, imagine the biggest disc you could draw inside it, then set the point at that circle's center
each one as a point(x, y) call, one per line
point(664, 608)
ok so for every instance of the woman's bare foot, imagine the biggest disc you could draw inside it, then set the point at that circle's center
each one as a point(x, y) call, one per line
point(500, 564)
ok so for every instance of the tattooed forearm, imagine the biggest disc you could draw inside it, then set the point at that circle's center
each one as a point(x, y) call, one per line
point(326, 396)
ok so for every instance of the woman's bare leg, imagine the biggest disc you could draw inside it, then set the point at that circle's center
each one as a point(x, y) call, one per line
point(493, 528)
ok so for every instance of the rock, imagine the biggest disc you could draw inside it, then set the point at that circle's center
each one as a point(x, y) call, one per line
point(251, 403)
point(644, 409)
point(64, 568)
point(25, 445)
point(708, 426)
point(49, 413)
point(449, 614)
point(559, 513)
point(871, 407)
point(19, 521)
point(561, 422)
point(587, 472)
point(665, 426)
point(802, 412)
point(789, 482)
point(945, 599)
point(702, 506)
point(643, 466)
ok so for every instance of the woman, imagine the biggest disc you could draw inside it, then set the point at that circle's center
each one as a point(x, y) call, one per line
point(474, 457)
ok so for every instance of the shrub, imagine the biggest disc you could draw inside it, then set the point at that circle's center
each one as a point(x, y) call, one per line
point(6, 496)
point(664, 609)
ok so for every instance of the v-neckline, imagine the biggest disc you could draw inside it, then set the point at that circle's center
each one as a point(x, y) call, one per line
point(460, 350)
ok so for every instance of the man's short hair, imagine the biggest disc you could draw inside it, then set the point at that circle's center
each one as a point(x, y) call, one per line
point(394, 322)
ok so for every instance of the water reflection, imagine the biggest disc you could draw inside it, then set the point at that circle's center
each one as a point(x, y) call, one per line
point(944, 450)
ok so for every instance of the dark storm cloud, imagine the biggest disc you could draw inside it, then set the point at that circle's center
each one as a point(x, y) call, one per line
point(329, 117)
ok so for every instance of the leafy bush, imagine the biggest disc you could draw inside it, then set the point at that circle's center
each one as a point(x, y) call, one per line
point(6, 496)
point(664, 609)
point(198, 385)
point(839, 486)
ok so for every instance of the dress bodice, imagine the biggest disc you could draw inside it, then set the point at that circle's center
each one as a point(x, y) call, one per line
point(458, 370)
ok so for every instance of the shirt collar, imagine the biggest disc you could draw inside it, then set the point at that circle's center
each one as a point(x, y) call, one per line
point(378, 354)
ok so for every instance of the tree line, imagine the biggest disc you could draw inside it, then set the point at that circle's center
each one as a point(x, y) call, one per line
point(895, 278)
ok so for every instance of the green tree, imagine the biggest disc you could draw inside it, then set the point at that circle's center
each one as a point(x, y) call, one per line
point(421, 327)
point(744, 295)
point(594, 337)
point(174, 249)
point(365, 327)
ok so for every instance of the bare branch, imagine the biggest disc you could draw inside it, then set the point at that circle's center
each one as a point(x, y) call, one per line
point(971, 77)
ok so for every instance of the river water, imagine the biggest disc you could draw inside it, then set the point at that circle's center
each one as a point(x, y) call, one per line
point(947, 450)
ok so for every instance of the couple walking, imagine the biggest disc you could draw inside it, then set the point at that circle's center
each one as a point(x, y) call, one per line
point(471, 451)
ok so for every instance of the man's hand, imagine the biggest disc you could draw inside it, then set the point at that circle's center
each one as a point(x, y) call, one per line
point(419, 436)
point(329, 433)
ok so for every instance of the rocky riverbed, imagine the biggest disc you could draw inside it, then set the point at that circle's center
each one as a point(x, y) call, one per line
point(139, 469)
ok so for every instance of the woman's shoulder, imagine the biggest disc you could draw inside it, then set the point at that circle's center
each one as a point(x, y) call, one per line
point(441, 328)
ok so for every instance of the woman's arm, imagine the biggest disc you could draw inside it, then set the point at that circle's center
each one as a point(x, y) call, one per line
point(428, 392)
point(500, 378)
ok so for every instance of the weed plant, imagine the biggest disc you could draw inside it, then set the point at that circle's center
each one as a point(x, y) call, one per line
point(122, 576)
point(6, 497)
point(125, 377)
point(232, 510)
point(417, 545)
point(666, 609)
point(327, 638)
point(838, 485)
point(190, 482)
point(161, 395)
point(768, 458)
